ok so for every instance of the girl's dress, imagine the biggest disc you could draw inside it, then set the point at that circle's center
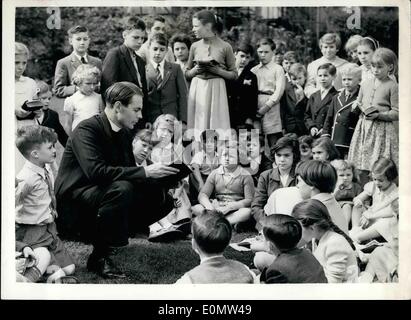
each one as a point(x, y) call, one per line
point(207, 100)
point(374, 139)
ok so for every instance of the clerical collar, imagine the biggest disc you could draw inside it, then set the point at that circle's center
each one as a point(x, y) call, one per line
point(113, 126)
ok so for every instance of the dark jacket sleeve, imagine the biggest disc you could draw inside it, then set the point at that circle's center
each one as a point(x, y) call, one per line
point(61, 133)
point(88, 148)
point(329, 119)
point(109, 74)
point(273, 276)
point(308, 120)
point(182, 95)
point(260, 196)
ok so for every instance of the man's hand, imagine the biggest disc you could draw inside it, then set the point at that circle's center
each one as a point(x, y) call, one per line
point(158, 170)
point(313, 131)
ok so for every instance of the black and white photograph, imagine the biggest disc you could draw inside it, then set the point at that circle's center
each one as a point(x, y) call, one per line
point(205, 149)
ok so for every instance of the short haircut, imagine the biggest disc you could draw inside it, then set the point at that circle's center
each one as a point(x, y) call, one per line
point(21, 49)
point(42, 87)
point(150, 22)
point(134, 23)
point(145, 135)
point(287, 142)
point(212, 232)
point(328, 145)
point(331, 38)
point(122, 92)
point(386, 167)
point(246, 48)
point(341, 165)
point(180, 37)
point(351, 69)
point(282, 230)
point(76, 29)
point(290, 55)
point(318, 174)
point(32, 136)
point(296, 69)
point(85, 71)
point(266, 41)
point(306, 139)
point(352, 42)
point(160, 38)
point(329, 67)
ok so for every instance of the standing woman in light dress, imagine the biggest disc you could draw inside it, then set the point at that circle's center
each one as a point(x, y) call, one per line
point(211, 61)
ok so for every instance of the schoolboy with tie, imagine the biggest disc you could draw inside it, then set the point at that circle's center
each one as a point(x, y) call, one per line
point(79, 39)
point(167, 89)
point(319, 102)
point(341, 120)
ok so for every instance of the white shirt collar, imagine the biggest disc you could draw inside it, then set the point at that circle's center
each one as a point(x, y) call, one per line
point(234, 174)
point(113, 126)
point(202, 260)
point(154, 64)
point(79, 57)
point(35, 168)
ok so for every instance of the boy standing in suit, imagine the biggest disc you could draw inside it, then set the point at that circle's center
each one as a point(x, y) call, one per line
point(123, 64)
point(80, 41)
point(320, 101)
point(243, 91)
point(167, 90)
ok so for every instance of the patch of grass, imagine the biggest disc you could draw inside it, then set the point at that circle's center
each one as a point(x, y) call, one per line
point(150, 263)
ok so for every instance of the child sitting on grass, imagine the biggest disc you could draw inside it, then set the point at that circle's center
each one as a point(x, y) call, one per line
point(231, 185)
point(36, 202)
point(211, 235)
point(291, 264)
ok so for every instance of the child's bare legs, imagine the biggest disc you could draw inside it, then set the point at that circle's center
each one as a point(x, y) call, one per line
point(347, 210)
point(197, 209)
point(34, 273)
point(240, 215)
point(364, 235)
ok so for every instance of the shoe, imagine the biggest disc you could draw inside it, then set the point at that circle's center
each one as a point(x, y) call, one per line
point(166, 235)
point(104, 267)
point(184, 227)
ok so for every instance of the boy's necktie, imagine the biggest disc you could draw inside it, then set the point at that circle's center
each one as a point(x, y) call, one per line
point(159, 78)
point(134, 58)
point(53, 204)
point(83, 61)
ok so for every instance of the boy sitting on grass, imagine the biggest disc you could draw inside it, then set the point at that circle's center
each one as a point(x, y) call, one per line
point(291, 264)
point(211, 235)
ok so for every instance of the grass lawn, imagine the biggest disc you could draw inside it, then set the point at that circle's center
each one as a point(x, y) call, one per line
point(150, 263)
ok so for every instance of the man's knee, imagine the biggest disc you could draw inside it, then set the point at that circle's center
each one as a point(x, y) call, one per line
point(122, 189)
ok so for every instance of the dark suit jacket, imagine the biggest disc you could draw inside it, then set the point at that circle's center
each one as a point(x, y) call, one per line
point(341, 121)
point(64, 70)
point(118, 66)
point(292, 112)
point(51, 120)
point(94, 155)
point(170, 97)
point(294, 266)
point(89, 158)
point(317, 109)
point(243, 97)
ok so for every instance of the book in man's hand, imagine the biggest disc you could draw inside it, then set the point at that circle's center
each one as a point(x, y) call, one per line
point(172, 180)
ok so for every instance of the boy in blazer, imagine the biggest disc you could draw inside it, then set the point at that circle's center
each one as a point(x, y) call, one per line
point(167, 89)
point(80, 41)
point(123, 64)
point(319, 102)
point(293, 102)
point(243, 91)
point(341, 120)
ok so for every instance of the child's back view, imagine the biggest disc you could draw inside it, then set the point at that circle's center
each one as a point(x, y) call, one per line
point(211, 235)
point(291, 265)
